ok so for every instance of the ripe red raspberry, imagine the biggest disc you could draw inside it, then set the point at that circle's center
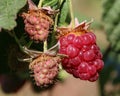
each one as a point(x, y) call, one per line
point(84, 59)
point(45, 69)
point(37, 24)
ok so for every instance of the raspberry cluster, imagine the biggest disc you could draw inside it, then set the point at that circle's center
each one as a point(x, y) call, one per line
point(81, 55)
point(37, 24)
point(84, 59)
point(45, 69)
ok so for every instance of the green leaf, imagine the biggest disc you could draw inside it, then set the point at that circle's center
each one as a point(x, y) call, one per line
point(50, 2)
point(64, 13)
point(8, 12)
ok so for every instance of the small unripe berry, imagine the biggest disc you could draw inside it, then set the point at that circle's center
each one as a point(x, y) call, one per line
point(37, 24)
point(45, 69)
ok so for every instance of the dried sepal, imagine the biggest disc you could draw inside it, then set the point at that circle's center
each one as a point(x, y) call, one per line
point(32, 6)
point(80, 28)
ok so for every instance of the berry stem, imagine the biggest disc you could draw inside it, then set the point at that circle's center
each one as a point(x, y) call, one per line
point(11, 34)
point(71, 13)
point(54, 30)
point(57, 15)
point(40, 3)
point(61, 1)
point(45, 46)
point(56, 23)
point(29, 44)
point(45, 42)
point(17, 41)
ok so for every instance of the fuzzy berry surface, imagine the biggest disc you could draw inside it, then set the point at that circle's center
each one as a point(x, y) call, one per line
point(45, 69)
point(37, 24)
point(84, 59)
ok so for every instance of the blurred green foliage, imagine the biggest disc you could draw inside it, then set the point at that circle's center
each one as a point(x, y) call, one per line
point(111, 17)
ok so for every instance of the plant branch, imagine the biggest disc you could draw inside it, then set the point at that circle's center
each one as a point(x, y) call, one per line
point(71, 14)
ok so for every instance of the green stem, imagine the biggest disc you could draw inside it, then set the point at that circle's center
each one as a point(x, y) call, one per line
point(40, 3)
point(56, 17)
point(45, 42)
point(55, 24)
point(11, 34)
point(45, 46)
point(71, 14)
point(56, 21)
point(61, 1)
point(29, 44)
point(54, 30)
point(17, 41)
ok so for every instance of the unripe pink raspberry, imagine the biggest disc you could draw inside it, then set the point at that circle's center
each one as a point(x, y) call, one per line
point(45, 69)
point(84, 59)
point(37, 24)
